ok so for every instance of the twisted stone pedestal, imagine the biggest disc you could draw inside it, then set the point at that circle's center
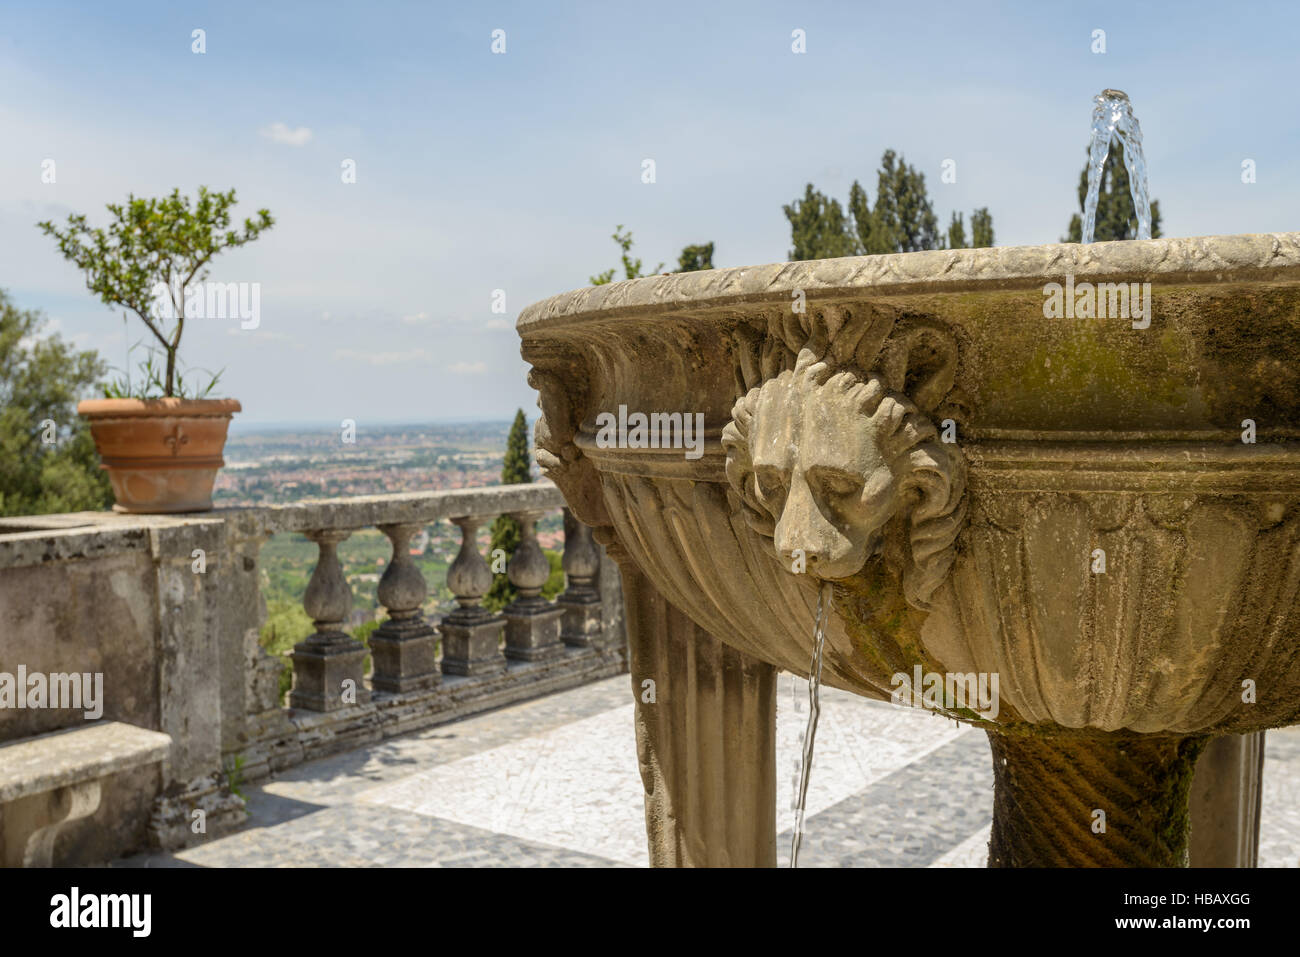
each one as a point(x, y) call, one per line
point(1099, 800)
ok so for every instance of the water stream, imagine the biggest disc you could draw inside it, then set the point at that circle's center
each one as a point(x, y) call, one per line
point(1113, 119)
point(814, 710)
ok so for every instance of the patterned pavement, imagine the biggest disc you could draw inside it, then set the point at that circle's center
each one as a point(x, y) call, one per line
point(554, 783)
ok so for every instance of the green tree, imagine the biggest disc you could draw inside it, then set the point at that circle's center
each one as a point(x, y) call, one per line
point(1116, 214)
point(152, 248)
point(695, 258)
point(867, 239)
point(47, 457)
point(631, 267)
point(957, 232)
point(286, 624)
point(818, 227)
point(903, 219)
point(981, 228)
point(516, 470)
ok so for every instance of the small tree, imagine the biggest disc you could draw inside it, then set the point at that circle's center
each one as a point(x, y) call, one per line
point(152, 248)
point(695, 258)
point(516, 470)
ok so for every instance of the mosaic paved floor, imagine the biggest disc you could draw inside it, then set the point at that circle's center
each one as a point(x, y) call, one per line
point(554, 782)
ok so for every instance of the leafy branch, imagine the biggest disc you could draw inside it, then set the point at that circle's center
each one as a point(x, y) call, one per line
point(150, 245)
point(631, 267)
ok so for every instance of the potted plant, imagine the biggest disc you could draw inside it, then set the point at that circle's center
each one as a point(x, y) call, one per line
point(159, 437)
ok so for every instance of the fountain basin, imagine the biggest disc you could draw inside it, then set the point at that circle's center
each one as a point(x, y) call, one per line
point(1102, 510)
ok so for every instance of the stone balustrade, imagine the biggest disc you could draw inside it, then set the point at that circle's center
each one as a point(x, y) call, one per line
point(170, 610)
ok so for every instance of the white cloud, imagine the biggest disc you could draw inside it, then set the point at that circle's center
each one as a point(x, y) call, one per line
point(416, 319)
point(468, 368)
point(498, 324)
point(280, 133)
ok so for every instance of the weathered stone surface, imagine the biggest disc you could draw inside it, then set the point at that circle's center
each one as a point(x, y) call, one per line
point(1225, 802)
point(327, 665)
point(532, 622)
point(55, 779)
point(195, 811)
point(706, 736)
point(471, 644)
point(582, 620)
point(362, 511)
point(94, 750)
point(533, 631)
point(403, 647)
point(1067, 800)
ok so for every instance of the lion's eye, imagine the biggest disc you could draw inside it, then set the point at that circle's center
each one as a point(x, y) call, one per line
point(836, 483)
point(770, 484)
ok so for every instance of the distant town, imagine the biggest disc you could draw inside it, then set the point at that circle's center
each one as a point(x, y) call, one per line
point(290, 464)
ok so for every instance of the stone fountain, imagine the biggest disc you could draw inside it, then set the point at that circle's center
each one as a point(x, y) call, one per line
point(1004, 465)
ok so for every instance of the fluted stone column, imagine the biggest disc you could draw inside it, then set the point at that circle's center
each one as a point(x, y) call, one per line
point(582, 621)
point(404, 647)
point(1225, 802)
point(327, 665)
point(706, 738)
point(532, 622)
point(471, 635)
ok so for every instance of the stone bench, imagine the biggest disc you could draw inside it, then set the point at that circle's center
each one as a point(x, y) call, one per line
point(52, 779)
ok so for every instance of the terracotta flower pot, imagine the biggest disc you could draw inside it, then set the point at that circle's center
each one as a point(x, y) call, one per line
point(162, 455)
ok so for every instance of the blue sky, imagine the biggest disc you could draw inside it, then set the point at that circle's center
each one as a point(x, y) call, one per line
point(478, 172)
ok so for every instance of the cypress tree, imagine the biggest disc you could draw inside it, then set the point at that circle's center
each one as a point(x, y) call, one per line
point(516, 470)
point(818, 227)
point(1116, 214)
point(904, 215)
point(957, 232)
point(981, 228)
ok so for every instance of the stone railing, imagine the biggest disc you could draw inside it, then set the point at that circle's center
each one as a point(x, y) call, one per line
point(169, 610)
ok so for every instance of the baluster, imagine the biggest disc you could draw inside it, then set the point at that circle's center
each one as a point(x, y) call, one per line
point(327, 665)
point(583, 619)
point(471, 635)
point(532, 622)
point(404, 647)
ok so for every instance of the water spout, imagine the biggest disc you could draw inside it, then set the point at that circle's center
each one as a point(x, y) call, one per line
point(1113, 118)
point(814, 710)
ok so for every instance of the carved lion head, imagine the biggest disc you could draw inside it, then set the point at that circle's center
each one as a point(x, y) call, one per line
point(823, 461)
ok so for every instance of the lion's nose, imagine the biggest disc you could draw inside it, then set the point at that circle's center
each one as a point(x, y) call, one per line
point(804, 532)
